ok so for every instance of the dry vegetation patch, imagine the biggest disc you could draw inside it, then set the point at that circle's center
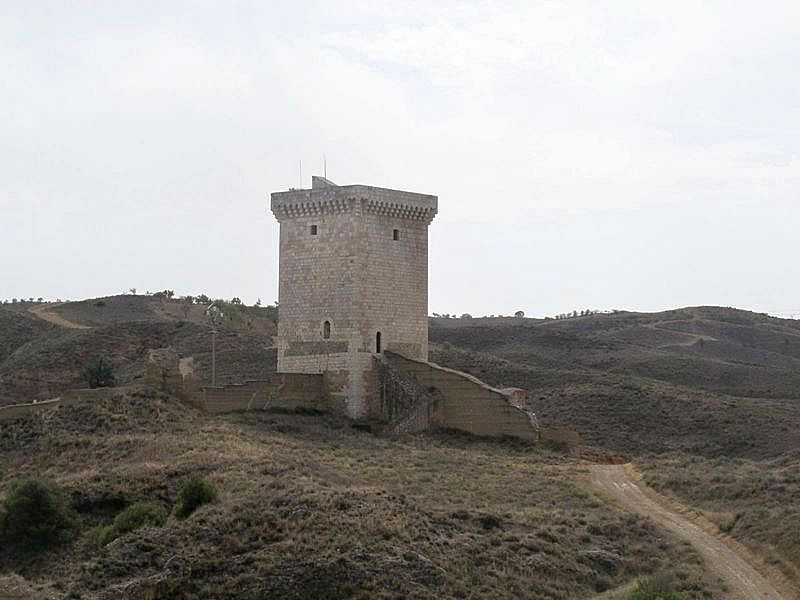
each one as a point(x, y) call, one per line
point(309, 507)
point(756, 502)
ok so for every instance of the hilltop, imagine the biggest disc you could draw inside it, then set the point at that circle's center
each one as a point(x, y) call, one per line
point(39, 359)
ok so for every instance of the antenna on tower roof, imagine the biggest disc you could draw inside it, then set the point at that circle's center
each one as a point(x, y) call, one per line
point(301, 175)
point(324, 166)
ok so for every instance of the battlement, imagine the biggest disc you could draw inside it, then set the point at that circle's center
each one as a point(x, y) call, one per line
point(325, 197)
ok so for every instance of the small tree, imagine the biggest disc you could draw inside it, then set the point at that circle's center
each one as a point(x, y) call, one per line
point(195, 492)
point(236, 300)
point(186, 305)
point(519, 314)
point(35, 514)
point(99, 373)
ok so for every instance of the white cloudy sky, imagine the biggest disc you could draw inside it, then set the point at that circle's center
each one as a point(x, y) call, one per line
point(640, 155)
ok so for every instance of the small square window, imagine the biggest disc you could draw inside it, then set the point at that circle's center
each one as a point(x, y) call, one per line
point(313, 230)
point(396, 235)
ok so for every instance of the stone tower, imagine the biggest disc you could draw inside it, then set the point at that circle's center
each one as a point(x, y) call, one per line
point(353, 281)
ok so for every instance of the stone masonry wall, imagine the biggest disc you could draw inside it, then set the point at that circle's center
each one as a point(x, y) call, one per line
point(403, 402)
point(393, 284)
point(464, 402)
point(289, 391)
point(316, 284)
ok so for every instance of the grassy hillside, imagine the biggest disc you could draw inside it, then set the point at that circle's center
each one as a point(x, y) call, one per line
point(309, 507)
point(705, 400)
point(112, 310)
point(757, 502)
point(40, 360)
point(707, 380)
point(711, 349)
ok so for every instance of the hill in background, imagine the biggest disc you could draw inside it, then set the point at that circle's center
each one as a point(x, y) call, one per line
point(713, 381)
point(41, 360)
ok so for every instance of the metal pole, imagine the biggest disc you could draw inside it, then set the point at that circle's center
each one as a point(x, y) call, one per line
point(214, 316)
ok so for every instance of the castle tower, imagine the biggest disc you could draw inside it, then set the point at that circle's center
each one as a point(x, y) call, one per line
point(353, 282)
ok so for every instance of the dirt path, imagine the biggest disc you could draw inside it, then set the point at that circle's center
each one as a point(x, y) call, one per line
point(693, 337)
point(619, 483)
point(43, 312)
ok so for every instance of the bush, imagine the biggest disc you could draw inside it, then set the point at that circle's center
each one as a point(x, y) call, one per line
point(195, 492)
point(99, 373)
point(140, 515)
point(35, 515)
point(660, 587)
point(727, 525)
point(132, 518)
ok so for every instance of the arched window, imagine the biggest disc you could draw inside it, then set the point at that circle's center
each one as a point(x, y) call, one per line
point(378, 342)
point(326, 330)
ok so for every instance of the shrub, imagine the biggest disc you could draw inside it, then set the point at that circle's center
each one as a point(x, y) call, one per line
point(99, 373)
point(101, 535)
point(727, 525)
point(489, 521)
point(195, 492)
point(659, 587)
point(140, 515)
point(35, 515)
point(132, 518)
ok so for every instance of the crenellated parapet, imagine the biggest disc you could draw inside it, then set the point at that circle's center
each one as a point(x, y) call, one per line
point(399, 210)
point(308, 207)
point(325, 197)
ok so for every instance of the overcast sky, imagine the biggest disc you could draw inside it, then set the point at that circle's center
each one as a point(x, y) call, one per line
point(636, 155)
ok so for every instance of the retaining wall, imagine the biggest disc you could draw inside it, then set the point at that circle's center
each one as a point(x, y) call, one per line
point(288, 391)
point(460, 401)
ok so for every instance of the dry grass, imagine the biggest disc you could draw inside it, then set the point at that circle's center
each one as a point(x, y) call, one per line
point(756, 502)
point(634, 415)
point(310, 507)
